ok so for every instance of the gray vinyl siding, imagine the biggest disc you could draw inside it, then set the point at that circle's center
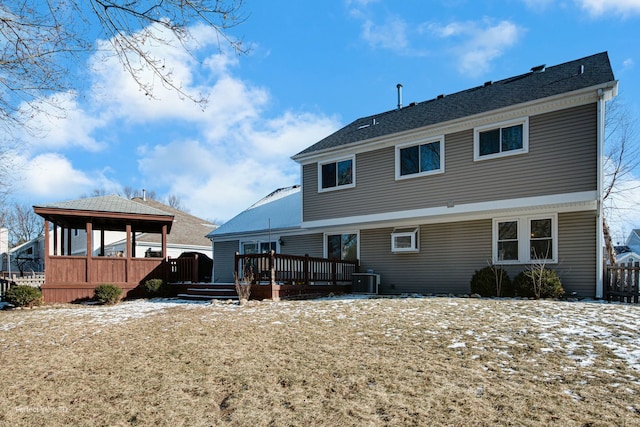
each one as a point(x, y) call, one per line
point(223, 259)
point(306, 244)
point(450, 253)
point(562, 158)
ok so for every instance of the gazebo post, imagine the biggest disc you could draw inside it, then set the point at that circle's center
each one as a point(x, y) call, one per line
point(128, 254)
point(89, 229)
point(47, 249)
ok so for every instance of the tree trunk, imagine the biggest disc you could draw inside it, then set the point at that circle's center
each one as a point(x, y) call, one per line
point(608, 243)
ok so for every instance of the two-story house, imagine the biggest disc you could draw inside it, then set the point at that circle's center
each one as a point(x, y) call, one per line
point(508, 172)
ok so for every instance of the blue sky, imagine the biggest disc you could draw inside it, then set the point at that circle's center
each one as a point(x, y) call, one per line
point(312, 68)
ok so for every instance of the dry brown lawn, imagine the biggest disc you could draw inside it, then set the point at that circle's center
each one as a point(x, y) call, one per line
point(332, 362)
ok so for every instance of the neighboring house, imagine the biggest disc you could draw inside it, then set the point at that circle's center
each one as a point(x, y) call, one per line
point(187, 235)
point(265, 225)
point(633, 241)
point(626, 255)
point(509, 172)
point(26, 258)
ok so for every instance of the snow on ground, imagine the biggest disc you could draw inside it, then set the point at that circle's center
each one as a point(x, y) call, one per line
point(581, 331)
point(102, 314)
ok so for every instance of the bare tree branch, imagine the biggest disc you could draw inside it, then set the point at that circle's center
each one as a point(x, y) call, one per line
point(45, 45)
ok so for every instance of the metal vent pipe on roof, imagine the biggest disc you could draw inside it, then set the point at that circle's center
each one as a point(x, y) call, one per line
point(399, 86)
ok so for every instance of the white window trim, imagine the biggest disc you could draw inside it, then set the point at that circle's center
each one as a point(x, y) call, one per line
point(258, 242)
point(439, 138)
point(524, 121)
point(325, 249)
point(337, 187)
point(415, 240)
point(524, 239)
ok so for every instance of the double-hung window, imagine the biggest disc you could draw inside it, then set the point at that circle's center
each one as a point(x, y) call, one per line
point(420, 158)
point(336, 174)
point(524, 240)
point(502, 139)
point(342, 246)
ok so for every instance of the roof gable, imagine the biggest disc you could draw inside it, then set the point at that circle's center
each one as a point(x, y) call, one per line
point(542, 83)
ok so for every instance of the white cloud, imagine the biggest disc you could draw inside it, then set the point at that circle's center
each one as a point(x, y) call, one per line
point(598, 8)
point(59, 122)
point(477, 44)
point(52, 176)
point(391, 35)
point(218, 160)
point(219, 177)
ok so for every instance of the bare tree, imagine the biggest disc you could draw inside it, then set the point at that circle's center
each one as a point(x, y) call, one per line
point(45, 44)
point(175, 202)
point(621, 158)
point(23, 224)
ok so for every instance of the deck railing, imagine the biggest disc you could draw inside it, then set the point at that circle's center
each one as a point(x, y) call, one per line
point(293, 269)
point(621, 282)
point(182, 270)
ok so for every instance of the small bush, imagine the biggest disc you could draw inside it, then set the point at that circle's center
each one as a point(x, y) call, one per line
point(23, 296)
point(153, 287)
point(483, 282)
point(538, 283)
point(107, 294)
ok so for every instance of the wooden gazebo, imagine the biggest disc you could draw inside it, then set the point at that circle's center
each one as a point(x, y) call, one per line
point(73, 273)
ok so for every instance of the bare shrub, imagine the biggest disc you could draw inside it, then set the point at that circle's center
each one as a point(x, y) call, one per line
point(243, 286)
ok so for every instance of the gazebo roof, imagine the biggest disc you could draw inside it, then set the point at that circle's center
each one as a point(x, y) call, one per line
point(106, 213)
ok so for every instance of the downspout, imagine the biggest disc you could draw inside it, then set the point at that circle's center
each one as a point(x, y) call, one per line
point(604, 95)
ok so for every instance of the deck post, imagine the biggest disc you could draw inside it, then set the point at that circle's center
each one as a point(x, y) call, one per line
point(194, 269)
point(235, 266)
point(334, 271)
point(305, 269)
point(272, 267)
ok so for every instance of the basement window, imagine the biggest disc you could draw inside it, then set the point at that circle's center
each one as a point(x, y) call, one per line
point(404, 240)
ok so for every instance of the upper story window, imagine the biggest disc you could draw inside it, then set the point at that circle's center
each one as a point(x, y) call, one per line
point(421, 158)
point(336, 174)
point(502, 139)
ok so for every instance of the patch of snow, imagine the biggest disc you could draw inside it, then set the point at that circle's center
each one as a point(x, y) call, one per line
point(457, 345)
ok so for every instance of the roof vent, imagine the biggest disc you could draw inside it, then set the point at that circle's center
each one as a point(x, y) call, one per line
point(488, 83)
point(582, 69)
point(440, 96)
point(538, 69)
point(413, 104)
point(399, 87)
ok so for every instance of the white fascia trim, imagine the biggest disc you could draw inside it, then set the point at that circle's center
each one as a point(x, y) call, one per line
point(569, 202)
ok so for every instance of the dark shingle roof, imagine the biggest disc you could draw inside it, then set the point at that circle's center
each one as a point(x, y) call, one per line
point(112, 203)
point(186, 230)
point(570, 76)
